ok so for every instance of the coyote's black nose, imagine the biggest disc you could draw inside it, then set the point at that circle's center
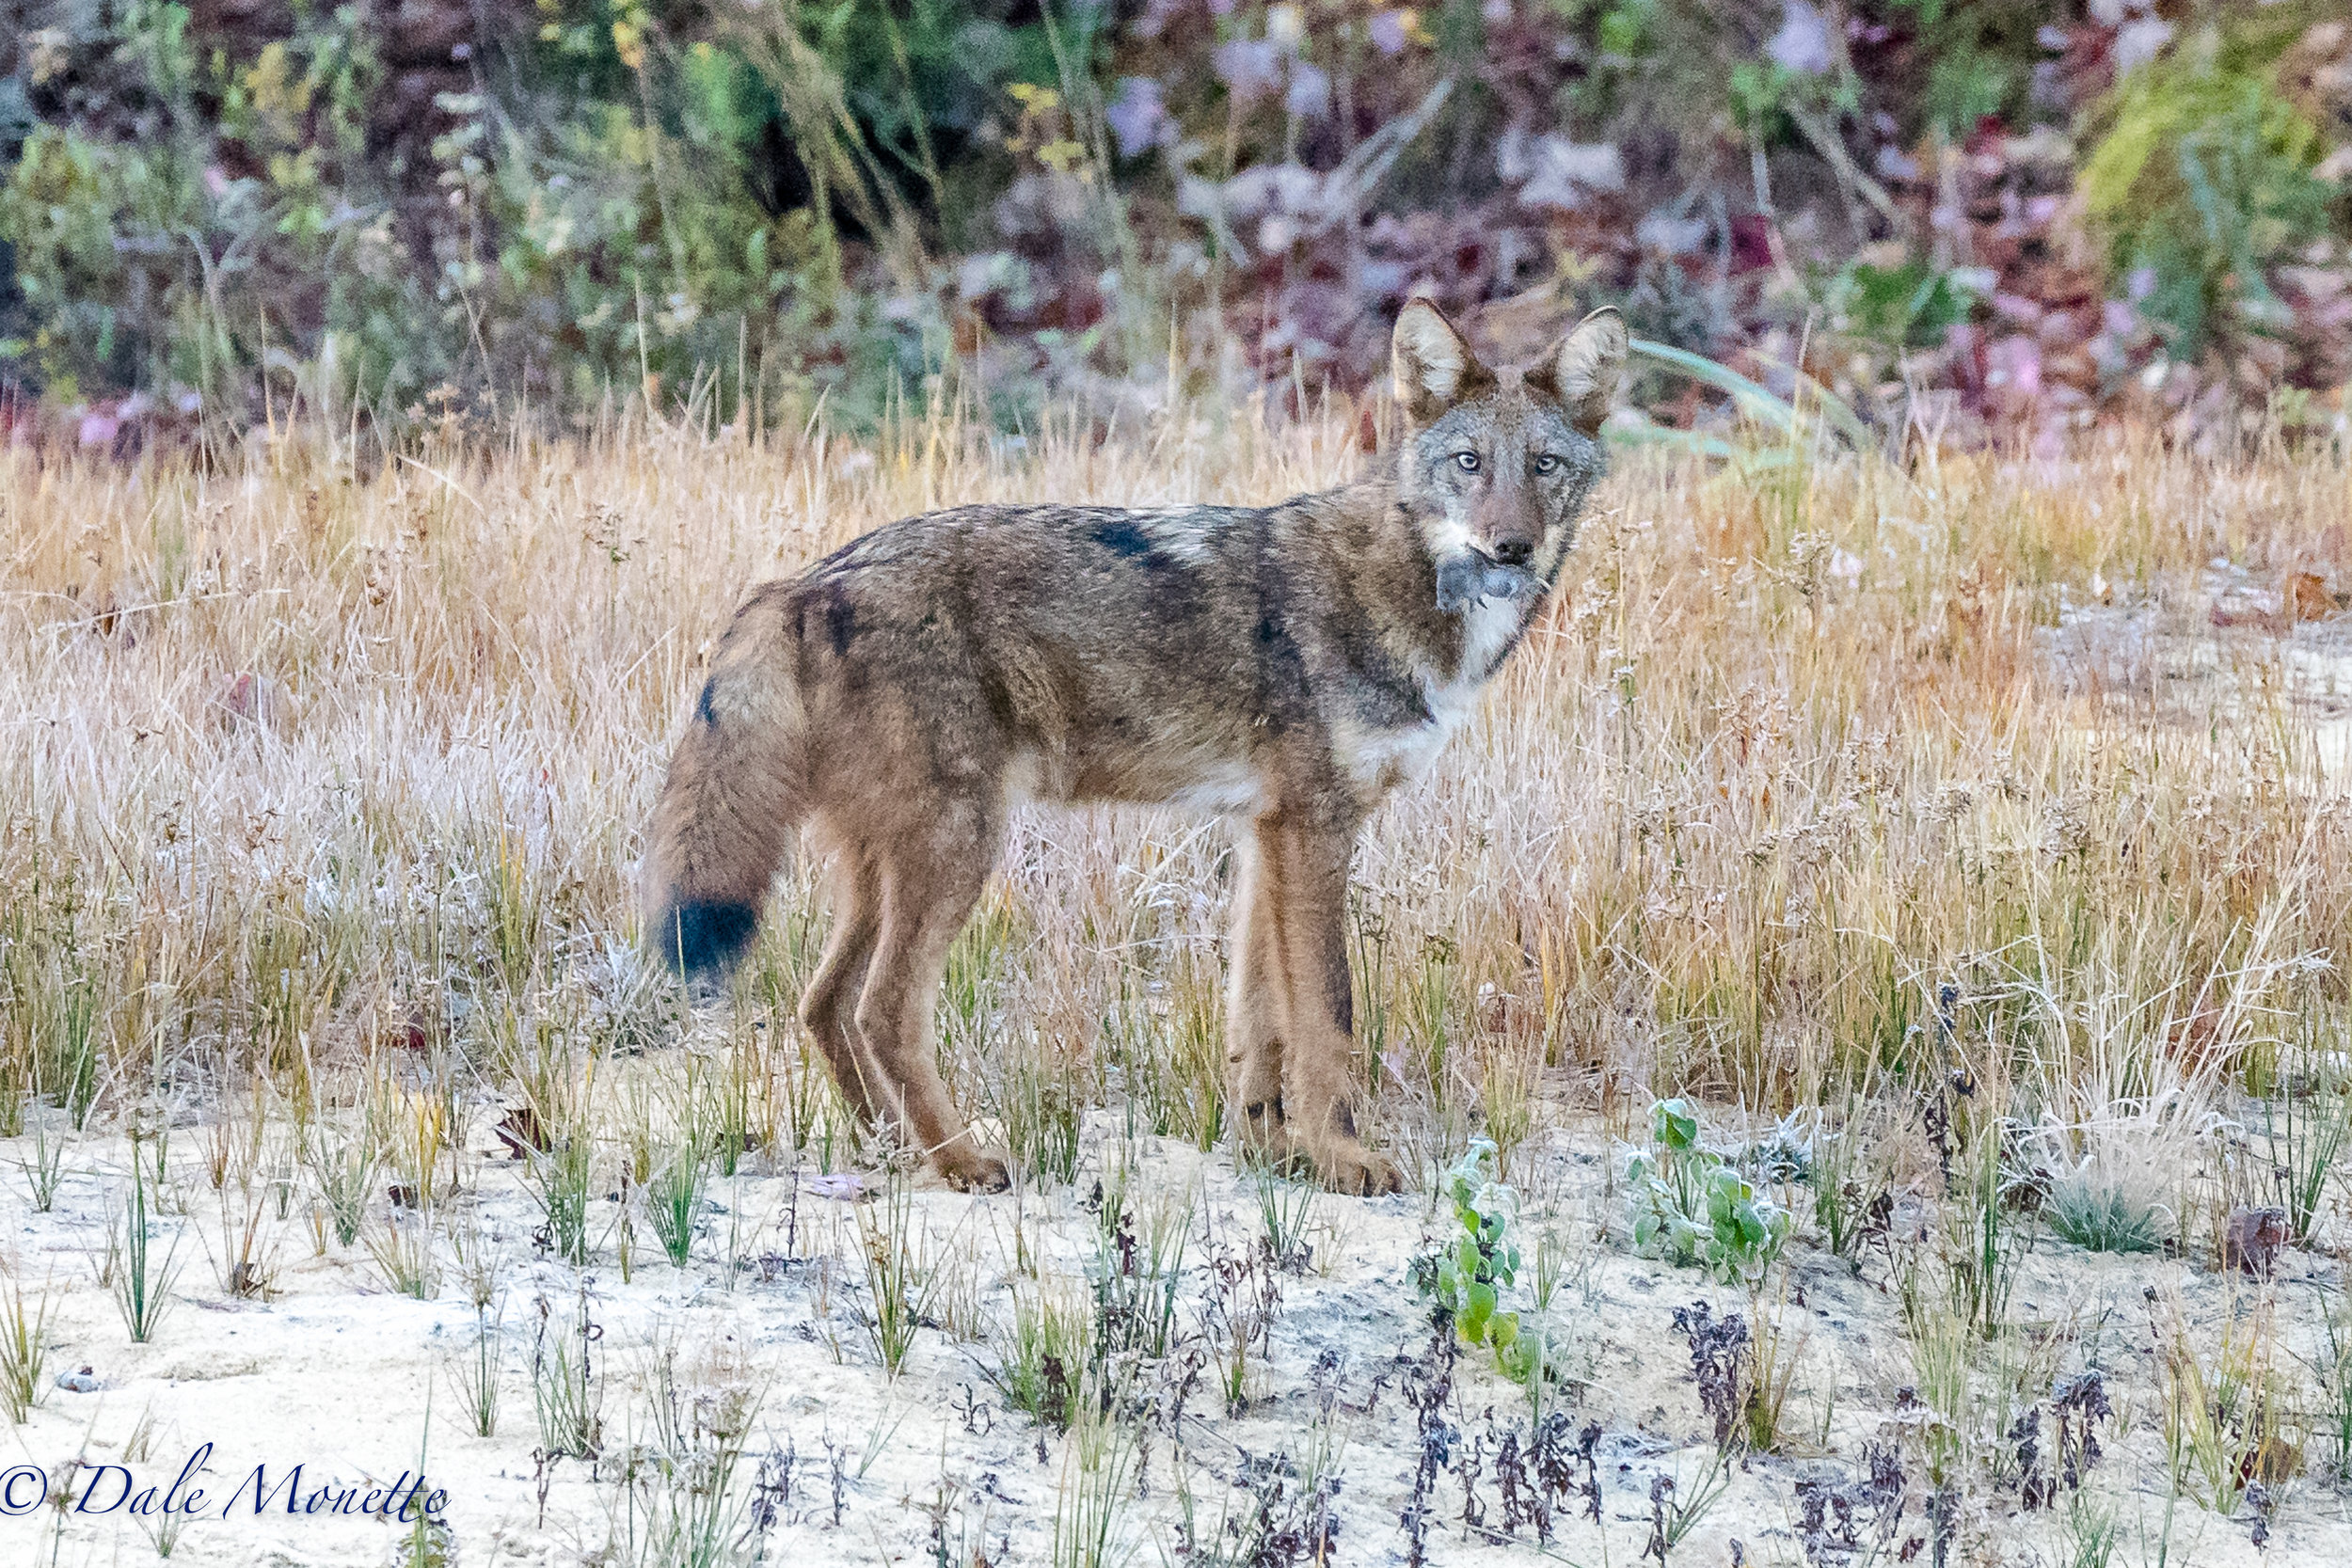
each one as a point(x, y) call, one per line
point(1514, 552)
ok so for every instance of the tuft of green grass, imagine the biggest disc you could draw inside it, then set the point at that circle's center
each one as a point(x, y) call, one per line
point(1983, 1241)
point(1285, 1213)
point(2335, 1384)
point(1194, 1070)
point(75, 998)
point(2093, 1532)
point(1090, 1502)
point(896, 1286)
point(344, 1168)
point(24, 1351)
point(2105, 1182)
point(2101, 1216)
point(141, 1282)
point(164, 1533)
point(2225, 1415)
point(249, 1258)
point(732, 1110)
point(567, 1395)
point(1041, 1359)
point(403, 1250)
point(2310, 1128)
point(1040, 1106)
point(560, 1177)
point(1836, 1166)
point(475, 1375)
point(673, 1200)
point(680, 1505)
point(1509, 1099)
point(1138, 1273)
point(44, 1168)
point(1775, 1355)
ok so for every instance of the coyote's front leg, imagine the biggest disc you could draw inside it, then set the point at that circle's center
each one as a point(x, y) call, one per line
point(927, 883)
point(1256, 1012)
point(1292, 1013)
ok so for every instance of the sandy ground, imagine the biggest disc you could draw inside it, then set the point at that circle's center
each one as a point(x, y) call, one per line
point(354, 1383)
point(2225, 646)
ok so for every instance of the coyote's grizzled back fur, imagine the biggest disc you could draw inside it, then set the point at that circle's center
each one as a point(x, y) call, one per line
point(1286, 665)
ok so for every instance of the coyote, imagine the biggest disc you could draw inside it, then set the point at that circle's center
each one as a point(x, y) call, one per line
point(1287, 665)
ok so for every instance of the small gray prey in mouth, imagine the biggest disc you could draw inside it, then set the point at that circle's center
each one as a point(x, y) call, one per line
point(1468, 579)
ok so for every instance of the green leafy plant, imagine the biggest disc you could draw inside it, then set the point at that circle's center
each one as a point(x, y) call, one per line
point(1907, 305)
point(1693, 1208)
point(619, 204)
point(2201, 175)
point(1466, 1275)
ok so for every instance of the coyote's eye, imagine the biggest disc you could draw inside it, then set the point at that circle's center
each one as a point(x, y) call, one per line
point(1546, 463)
point(1468, 460)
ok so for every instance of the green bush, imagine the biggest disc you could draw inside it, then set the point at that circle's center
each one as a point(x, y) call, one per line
point(610, 207)
point(1907, 305)
point(2103, 1218)
point(583, 200)
point(2201, 178)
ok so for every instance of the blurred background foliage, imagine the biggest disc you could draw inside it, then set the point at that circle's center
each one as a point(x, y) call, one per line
point(1977, 215)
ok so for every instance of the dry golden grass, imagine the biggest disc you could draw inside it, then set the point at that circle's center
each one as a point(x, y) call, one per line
point(297, 759)
point(1821, 785)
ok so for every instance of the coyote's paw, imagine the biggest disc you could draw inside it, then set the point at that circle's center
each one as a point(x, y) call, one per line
point(970, 1171)
point(1345, 1165)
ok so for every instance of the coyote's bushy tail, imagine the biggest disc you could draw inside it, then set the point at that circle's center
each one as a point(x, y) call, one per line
point(727, 814)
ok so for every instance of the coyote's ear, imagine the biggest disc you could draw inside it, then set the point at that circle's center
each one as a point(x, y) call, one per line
point(1587, 366)
point(1432, 365)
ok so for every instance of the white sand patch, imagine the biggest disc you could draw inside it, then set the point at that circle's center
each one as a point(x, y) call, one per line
point(336, 1374)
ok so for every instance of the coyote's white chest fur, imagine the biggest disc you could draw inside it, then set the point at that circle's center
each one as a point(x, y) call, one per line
point(1381, 760)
